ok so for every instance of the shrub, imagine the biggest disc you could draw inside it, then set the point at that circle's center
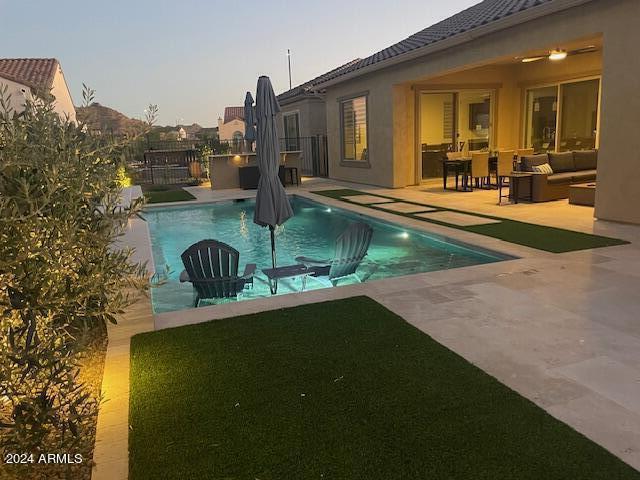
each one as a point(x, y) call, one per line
point(61, 278)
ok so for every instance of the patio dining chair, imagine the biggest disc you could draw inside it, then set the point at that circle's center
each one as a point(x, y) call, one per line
point(212, 268)
point(351, 248)
point(480, 168)
point(504, 166)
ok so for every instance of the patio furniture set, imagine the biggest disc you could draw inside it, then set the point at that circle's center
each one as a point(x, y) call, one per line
point(211, 266)
point(532, 177)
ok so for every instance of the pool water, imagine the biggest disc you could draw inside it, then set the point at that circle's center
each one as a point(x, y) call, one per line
point(394, 250)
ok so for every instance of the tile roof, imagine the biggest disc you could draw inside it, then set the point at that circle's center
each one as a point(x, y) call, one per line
point(306, 87)
point(32, 72)
point(478, 15)
point(231, 113)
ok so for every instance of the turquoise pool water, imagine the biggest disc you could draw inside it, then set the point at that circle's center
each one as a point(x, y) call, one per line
point(394, 250)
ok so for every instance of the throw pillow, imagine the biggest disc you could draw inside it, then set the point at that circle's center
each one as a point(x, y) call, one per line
point(544, 168)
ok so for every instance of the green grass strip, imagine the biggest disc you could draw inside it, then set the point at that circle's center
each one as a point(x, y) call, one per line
point(337, 390)
point(168, 196)
point(541, 237)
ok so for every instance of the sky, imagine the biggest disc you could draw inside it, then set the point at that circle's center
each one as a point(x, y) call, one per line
point(194, 57)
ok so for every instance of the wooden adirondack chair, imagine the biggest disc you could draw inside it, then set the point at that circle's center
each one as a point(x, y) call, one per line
point(351, 248)
point(212, 268)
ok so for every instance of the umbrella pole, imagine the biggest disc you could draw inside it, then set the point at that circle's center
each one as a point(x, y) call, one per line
point(274, 288)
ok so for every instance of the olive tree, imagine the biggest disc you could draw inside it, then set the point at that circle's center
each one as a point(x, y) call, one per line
point(61, 277)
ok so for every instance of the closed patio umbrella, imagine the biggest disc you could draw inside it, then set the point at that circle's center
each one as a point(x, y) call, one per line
point(272, 205)
point(249, 121)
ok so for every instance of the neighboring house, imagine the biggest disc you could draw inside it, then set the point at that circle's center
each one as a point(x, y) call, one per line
point(191, 132)
point(501, 74)
point(182, 133)
point(232, 126)
point(25, 77)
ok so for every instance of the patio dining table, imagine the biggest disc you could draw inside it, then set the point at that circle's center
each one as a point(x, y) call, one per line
point(462, 166)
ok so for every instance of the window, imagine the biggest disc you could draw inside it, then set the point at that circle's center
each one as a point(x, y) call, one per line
point(353, 113)
point(563, 117)
point(292, 131)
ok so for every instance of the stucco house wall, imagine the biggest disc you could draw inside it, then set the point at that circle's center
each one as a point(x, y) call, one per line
point(64, 103)
point(391, 98)
point(18, 92)
point(226, 130)
point(312, 116)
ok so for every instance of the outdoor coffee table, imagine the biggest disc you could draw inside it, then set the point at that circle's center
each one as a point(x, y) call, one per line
point(583, 194)
point(290, 271)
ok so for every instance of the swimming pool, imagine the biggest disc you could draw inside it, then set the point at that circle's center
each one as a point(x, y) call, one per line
point(394, 250)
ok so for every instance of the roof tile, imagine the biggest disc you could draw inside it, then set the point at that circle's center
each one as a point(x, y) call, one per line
point(231, 113)
point(307, 86)
point(478, 15)
point(32, 72)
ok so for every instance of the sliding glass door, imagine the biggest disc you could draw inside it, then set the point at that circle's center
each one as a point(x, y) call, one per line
point(437, 130)
point(474, 119)
point(579, 115)
point(542, 113)
point(450, 122)
point(563, 117)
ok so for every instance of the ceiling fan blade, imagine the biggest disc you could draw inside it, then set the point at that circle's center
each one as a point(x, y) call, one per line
point(580, 51)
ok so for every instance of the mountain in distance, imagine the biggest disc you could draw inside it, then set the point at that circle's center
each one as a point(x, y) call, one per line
point(99, 118)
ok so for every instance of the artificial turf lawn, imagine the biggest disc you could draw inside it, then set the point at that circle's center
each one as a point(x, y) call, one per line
point(550, 239)
point(160, 196)
point(337, 390)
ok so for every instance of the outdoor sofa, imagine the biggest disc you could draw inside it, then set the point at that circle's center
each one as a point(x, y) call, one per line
point(568, 168)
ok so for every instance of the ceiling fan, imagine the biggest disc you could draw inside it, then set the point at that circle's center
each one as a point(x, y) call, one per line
point(558, 54)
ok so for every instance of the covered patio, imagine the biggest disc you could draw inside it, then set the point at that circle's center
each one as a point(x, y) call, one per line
point(553, 79)
point(533, 111)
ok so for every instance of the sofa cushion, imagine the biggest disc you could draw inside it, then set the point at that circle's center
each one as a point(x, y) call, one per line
point(543, 168)
point(585, 159)
point(564, 177)
point(528, 161)
point(562, 162)
point(583, 176)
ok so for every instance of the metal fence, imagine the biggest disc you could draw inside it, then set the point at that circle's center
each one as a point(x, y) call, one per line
point(163, 167)
point(179, 161)
point(196, 144)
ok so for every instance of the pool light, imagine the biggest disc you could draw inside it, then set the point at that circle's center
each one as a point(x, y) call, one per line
point(328, 210)
point(404, 235)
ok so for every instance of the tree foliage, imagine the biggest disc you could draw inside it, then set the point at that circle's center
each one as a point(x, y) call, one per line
point(61, 276)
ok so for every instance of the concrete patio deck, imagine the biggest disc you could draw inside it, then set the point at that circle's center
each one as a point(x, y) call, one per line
point(561, 329)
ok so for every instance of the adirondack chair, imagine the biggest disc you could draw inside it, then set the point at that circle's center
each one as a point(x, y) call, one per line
point(351, 248)
point(212, 268)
